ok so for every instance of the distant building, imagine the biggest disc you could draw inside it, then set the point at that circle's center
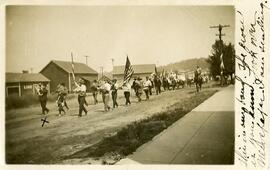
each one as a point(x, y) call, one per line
point(20, 84)
point(105, 77)
point(61, 72)
point(142, 70)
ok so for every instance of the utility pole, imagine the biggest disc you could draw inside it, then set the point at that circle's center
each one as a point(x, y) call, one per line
point(101, 68)
point(220, 27)
point(86, 57)
point(112, 61)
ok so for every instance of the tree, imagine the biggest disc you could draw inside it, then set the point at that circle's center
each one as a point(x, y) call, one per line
point(228, 57)
point(229, 60)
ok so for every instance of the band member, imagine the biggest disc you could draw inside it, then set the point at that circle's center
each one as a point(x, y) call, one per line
point(61, 98)
point(42, 93)
point(94, 89)
point(114, 89)
point(105, 90)
point(81, 90)
point(126, 88)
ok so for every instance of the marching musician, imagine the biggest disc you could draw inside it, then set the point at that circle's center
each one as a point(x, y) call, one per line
point(42, 95)
point(61, 98)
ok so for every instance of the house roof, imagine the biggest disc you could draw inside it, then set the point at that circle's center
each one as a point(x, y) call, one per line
point(104, 78)
point(25, 77)
point(138, 69)
point(79, 68)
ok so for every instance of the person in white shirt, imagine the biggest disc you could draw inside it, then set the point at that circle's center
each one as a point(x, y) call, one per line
point(105, 90)
point(126, 88)
point(81, 90)
point(114, 89)
point(146, 86)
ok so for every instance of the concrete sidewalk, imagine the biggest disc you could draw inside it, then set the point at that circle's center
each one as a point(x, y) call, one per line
point(203, 136)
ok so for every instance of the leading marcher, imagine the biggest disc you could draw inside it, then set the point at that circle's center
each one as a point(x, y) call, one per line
point(42, 95)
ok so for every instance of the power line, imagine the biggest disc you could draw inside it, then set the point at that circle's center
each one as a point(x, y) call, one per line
point(220, 27)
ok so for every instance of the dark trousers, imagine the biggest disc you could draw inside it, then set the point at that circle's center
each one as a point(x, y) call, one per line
point(114, 99)
point(150, 90)
point(43, 104)
point(61, 108)
point(138, 94)
point(127, 95)
point(146, 91)
point(65, 103)
point(81, 100)
point(95, 97)
point(158, 89)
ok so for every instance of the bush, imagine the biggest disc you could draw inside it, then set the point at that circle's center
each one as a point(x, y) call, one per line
point(15, 102)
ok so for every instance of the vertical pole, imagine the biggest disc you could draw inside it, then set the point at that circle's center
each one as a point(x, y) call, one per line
point(20, 92)
point(69, 83)
point(86, 60)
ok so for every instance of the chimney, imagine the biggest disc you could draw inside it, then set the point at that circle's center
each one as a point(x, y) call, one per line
point(25, 71)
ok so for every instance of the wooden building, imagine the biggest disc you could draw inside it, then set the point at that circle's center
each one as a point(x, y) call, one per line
point(20, 84)
point(142, 70)
point(61, 72)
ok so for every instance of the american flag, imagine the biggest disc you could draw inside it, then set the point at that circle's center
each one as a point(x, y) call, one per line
point(128, 71)
point(72, 65)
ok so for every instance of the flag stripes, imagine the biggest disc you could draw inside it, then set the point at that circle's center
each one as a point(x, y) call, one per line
point(128, 71)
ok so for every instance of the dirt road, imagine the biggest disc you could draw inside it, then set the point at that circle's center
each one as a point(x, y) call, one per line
point(28, 142)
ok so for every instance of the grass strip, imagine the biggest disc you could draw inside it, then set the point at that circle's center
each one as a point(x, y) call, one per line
point(129, 138)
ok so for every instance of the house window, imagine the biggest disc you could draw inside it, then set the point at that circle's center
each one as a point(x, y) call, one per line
point(13, 91)
point(27, 86)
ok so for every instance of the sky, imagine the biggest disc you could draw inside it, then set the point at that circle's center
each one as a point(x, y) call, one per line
point(159, 35)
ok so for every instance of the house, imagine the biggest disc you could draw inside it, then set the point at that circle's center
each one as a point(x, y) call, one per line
point(142, 70)
point(20, 84)
point(105, 77)
point(61, 72)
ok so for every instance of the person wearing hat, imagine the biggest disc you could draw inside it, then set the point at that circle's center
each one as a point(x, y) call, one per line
point(114, 89)
point(42, 94)
point(81, 90)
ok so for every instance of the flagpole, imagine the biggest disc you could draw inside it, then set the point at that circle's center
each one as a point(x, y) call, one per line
point(72, 65)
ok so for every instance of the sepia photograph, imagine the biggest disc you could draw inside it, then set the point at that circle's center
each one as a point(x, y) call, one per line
point(120, 84)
